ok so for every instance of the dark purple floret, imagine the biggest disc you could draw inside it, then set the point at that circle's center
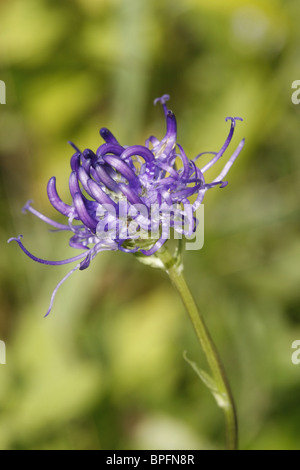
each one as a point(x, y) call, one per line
point(118, 186)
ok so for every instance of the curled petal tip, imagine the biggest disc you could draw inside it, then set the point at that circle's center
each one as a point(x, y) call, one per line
point(43, 261)
point(88, 153)
point(162, 99)
point(233, 119)
point(104, 132)
point(15, 239)
point(108, 136)
point(27, 206)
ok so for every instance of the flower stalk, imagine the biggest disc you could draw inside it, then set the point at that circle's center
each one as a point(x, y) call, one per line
point(218, 383)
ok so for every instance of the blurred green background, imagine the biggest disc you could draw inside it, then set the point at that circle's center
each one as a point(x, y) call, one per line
point(105, 370)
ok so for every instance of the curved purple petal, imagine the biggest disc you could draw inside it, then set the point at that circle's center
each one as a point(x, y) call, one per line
point(82, 212)
point(106, 179)
point(98, 194)
point(44, 261)
point(108, 136)
point(130, 194)
point(109, 148)
point(224, 147)
point(83, 177)
point(139, 150)
point(55, 200)
point(122, 168)
point(89, 155)
point(73, 184)
point(75, 161)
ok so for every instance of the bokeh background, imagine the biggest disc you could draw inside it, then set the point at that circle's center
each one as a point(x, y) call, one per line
point(105, 370)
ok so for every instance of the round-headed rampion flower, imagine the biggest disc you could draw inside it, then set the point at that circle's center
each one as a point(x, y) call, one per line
point(127, 198)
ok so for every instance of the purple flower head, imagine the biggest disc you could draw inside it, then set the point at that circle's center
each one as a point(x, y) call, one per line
point(127, 198)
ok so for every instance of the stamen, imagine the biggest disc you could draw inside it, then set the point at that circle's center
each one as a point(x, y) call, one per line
point(58, 286)
point(33, 211)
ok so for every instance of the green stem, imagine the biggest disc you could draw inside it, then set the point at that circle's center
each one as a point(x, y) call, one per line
point(222, 389)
